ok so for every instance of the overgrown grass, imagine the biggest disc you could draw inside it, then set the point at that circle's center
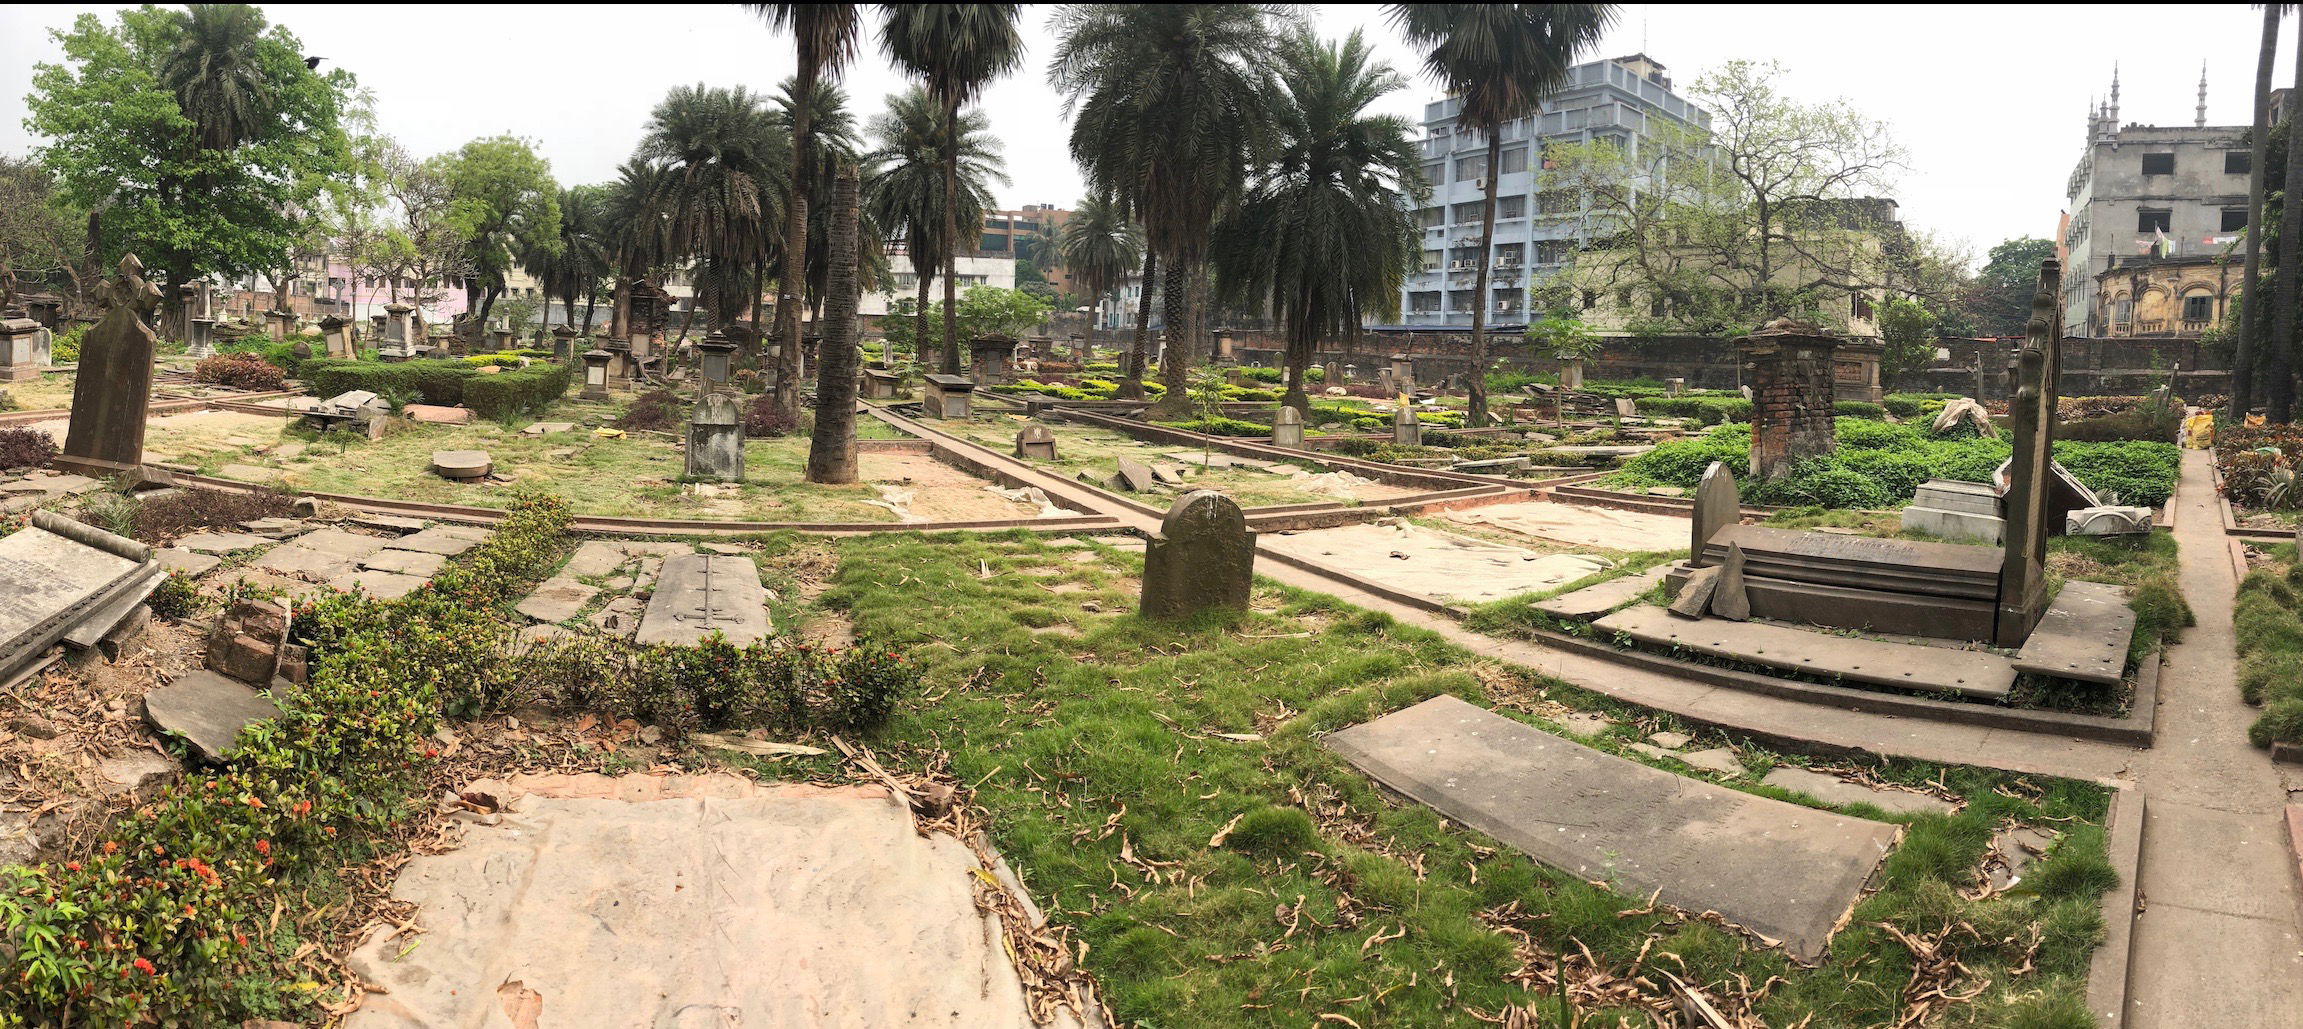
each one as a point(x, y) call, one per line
point(2268, 621)
point(1088, 735)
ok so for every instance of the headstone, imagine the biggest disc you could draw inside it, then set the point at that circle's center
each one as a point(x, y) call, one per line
point(563, 343)
point(401, 336)
point(947, 396)
point(992, 357)
point(279, 324)
point(200, 338)
point(1675, 386)
point(1955, 511)
point(208, 711)
point(1571, 373)
point(1625, 407)
point(700, 594)
point(1202, 558)
point(462, 465)
point(2031, 411)
point(58, 575)
point(336, 332)
point(596, 374)
point(1333, 374)
point(1716, 505)
point(1384, 381)
point(2108, 521)
point(1790, 367)
point(1406, 430)
point(1135, 476)
point(112, 394)
point(716, 439)
point(1035, 441)
point(1287, 429)
point(1694, 599)
point(23, 349)
point(1728, 600)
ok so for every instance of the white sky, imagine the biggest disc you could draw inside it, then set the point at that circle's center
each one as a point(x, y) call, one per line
point(1990, 101)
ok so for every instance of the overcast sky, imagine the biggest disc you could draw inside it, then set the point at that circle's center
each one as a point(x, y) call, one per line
point(1991, 101)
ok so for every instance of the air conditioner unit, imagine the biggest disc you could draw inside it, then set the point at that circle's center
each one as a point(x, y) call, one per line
point(1480, 183)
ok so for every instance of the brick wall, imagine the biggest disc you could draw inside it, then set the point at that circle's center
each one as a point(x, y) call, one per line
point(1791, 395)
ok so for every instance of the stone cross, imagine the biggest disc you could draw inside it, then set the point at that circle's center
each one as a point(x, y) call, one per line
point(1716, 507)
point(2031, 413)
point(113, 392)
point(1287, 429)
point(716, 439)
point(1202, 558)
point(1035, 441)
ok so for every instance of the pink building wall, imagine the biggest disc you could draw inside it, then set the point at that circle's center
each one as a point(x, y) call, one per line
point(344, 287)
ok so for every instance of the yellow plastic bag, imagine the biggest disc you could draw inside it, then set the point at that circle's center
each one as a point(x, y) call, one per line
point(2199, 431)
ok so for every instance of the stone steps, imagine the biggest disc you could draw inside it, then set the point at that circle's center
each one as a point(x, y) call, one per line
point(2084, 635)
point(1809, 652)
point(1593, 601)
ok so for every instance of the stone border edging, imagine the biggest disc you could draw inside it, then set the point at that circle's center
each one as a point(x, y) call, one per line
point(2108, 967)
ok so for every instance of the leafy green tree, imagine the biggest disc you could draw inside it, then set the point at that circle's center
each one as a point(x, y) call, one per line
point(1562, 335)
point(824, 37)
point(835, 145)
point(1500, 61)
point(639, 232)
point(572, 269)
point(1327, 231)
point(1102, 246)
point(1171, 107)
point(1999, 300)
point(503, 202)
point(197, 135)
point(982, 311)
point(1908, 328)
point(904, 187)
point(39, 233)
point(956, 50)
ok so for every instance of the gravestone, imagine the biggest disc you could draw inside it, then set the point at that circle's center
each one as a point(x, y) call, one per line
point(947, 396)
point(1036, 442)
point(1625, 407)
point(700, 594)
point(1728, 600)
point(882, 384)
point(113, 393)
point(1287, 429)
point(1571, 373)
point(1333, 374)
point(1406, 430)
point(1790, 367)
point(992, 358)
point(58, 575)
point(716, 439)
point(595, 375)
point(1202, 558)
point(2031, 412)
point(400, 333)
point(1716, 505)
point(1675, 386)
point(279, 324)
point(563, 343)
point(336, 334)
point(200, 338)
point(23, 349)
point(1955, 511)
point(1384, 381)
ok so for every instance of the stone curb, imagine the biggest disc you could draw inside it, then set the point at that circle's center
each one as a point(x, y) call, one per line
point(2108, 968)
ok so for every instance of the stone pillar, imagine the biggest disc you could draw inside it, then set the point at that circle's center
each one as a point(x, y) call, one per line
point(1855, 371)
point(596, 374)
point(1402, 373)
point(112, 394)
point(279, 324)
point(1287, 429)
point(501, 339)
point(1332, 374)
point(2031, 413)
point(201, 343)
point(399, 333)
point(1788, 365)
point(1405, 429)
point(23, 349)
point(563, 343)
point(716, 439)
point(1202, 558)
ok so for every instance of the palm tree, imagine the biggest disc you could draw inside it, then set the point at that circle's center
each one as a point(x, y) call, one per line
point(1500, 61)
point(2278, 368)
point(217, 74)
point(906, 176)
point(1102, 245)
point(724, 160)
point(574, 269)
point(2253, 315)
point(957, 50)
point(1171, 106)
point(825, 37)
point(832, 447)
point(833, 145)
point(1332, 218)
point(636, 232)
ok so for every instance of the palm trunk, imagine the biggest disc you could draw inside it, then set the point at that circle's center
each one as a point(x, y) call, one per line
point(2279, 384)
point(832, 448)
point(1302, 341)
point(1175, 347)
point(591, 303)
point(791, 283)
point(951, 235)
point(1475, 384)
point(920, 319)
point(2250, 325)
point(1132, 362)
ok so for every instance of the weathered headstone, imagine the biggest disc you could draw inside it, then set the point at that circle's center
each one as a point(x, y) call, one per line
point(113, 392)
point(1675, 386)
point(1202, 558)
point(1571, 373)
point(57, 575)
point(1728, 600)
point(1406, 429)
point(1384, 381)
point(992, 357)
point(1625, 407)
point(2031, 413)
point(596, 374)
point(280, 324)
point(1034, 441)
point(400, 333)
point(1332, 375)
point(1287, 429)
point(1716, 505)
point(699, 594)
point(1135, 476)
point(716, 439)
point(336, 332)
point(1955, 511)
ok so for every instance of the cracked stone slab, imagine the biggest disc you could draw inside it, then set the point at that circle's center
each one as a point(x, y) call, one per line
point(178, 559)
point(1832, 789)
point(381, 585)
point(300, 560)
point(404, 562)
point(444, 540)
point(556, 600)
point(223, 542)
point(1787, 872)
point(208, 711)
point(701, 594)
point(343, 544)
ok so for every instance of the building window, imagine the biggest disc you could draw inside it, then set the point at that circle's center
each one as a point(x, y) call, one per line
point(1466, 213)
point(1551, 251)
point(2158, 164)
point(2198, 309)
point(2234, 219)
point(1554, 201)
point(1511, 206)
point(1514, 160)
point(1469, 168)
point(2152, 221)
point(2238, 162)
point(1859, 306)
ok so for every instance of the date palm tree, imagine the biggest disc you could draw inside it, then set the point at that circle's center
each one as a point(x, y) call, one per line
point(834, 145)
point(905, 180)
point(1171, 107)
point(1102, 245)
point(1331, 219)
point(725, 162)
point(637, 232)
point(825, 37)
point(832, 447)
point(1500, 61)
point(957, 50)
point(2252, 315)
point(217, 74)
point(573, 270)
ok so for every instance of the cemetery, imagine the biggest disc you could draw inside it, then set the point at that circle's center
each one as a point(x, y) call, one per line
point(678, 642)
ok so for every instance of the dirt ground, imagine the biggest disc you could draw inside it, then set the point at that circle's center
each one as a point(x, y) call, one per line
point(939, 492)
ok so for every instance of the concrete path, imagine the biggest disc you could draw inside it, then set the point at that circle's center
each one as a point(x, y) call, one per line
point(2217, 943)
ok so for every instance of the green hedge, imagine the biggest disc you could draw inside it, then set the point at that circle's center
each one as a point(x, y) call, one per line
point(1710, 409)
point(525, 391)
point(499, 396)
point(1858, 409)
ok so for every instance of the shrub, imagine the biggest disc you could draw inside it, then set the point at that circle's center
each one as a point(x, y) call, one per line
point(1915, 405)
point(431, 381)
point(1220, 426)
point(2141, 473)
point(240, 371)
point(525, 391)
point(655, 411)
point(175, 597)
point(1710, 409)
point(65, 348)
point(1271, 375)
point(1821, 482)
point(766, 419)
point(1858, 409)
point(2143, 423)
point(25, 448)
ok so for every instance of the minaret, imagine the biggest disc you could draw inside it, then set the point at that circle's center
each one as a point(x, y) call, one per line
point(2113, 113)
point(2200, 121)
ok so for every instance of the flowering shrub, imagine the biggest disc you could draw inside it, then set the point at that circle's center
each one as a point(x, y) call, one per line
point(25, 448)
point(766, 419)
point(658, 411)
point(240, 371)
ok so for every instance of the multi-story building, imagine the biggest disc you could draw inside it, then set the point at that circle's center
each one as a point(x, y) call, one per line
point(904, 283)
point(2154, 213)
point(1623, 100)
point(1028, 234)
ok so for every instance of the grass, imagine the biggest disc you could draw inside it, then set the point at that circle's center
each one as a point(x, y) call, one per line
point(52, 390)
point(1097, 452)
point(2268, 621)
point(1088, 737)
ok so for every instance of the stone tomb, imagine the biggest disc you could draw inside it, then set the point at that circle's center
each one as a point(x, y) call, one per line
point(1406, 431)
point(948, 396)
point(112, 395)
point(357, 406)
point(1956, 511)
point(1287, 429)
point(882, 384)
point(1788, 872)
point(1916, 588)
point(1202, 558)
point(700, 594)
point(23, 349)
point(336, 334)
point(715, 451)
point(1035, 442)
point(61, 575)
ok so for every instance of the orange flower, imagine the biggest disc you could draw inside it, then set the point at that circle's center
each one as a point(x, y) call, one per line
point(72, 865)
point(145, 966)
point(264, 847)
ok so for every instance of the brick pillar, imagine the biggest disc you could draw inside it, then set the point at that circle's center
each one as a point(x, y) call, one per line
point(1788, 365)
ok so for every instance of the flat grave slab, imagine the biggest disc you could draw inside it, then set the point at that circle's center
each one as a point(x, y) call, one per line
point(404, 562)
point(444, 540)
point(1936, 569)
point(388, 523)
point(594, 557)
point(223, 542)
point(1832, 789)
point(1581, 526)
point(1593, 601)
point(49, 584)
point(341, 543)
point(208, 710)
point(1902, 665)
point(189, 562)
point(556, 600)
point(378, 584)
point(546, 428)
point(1436, 564)
point(1786, 872)
point(299, 560)
point(705, 593)
point(2083, 635)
